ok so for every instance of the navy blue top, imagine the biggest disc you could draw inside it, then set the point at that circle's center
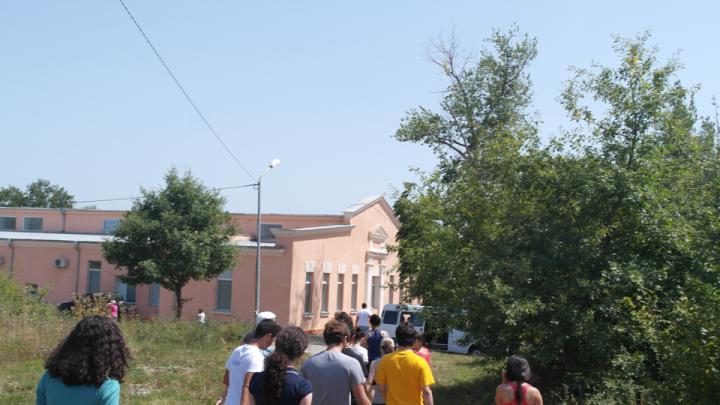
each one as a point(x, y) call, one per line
point(294, 388)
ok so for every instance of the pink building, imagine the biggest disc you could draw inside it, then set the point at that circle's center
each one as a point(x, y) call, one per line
point(312, 265)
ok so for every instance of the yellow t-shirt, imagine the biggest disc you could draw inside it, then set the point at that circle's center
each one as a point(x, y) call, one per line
point(404, 373)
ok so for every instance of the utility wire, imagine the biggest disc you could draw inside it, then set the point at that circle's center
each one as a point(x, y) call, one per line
point(185, 93)
point(135, 198)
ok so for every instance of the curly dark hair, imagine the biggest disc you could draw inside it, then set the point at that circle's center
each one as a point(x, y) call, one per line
point(290, 345)
point(94, 351)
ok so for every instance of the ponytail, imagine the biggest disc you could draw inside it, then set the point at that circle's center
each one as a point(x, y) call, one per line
point(275, 369)
point(518, 370)
point(518, 392)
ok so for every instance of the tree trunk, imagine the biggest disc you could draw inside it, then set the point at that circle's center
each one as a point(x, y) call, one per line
point(178, 302)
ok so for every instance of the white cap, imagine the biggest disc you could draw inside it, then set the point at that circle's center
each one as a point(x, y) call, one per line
point(265, 315)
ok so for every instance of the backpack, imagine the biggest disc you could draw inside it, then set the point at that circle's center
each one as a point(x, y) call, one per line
point(374, 341)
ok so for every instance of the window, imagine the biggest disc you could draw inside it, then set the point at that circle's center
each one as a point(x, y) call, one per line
point(390, 317)
point(154, 294)
point(308, 292)
point(125, 290)
point(353, 293)
point(265, 233)
point(224, 291)
point(32, 224)
point(93, 276)
point(7, 223)
point(109, 226)
point(392, 290)
point(375, 292)
point(340, 285)
point(325, 292)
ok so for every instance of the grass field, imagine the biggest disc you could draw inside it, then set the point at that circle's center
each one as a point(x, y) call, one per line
point(183, 363)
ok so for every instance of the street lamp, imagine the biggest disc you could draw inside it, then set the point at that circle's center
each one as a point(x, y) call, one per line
point(273, 164)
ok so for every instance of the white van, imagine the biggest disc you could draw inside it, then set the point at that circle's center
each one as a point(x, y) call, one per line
point(393, 314)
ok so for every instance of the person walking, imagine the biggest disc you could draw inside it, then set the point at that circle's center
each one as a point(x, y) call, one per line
point(374, 338)
point(420, 347)
point(114, 310)
point(362, 319)
point(403, 377)
point(280, 383)
point(516, 374)
point(246, 360)
point(201, 316)
point(334, 375)
point(387, 347)
point(87, 367)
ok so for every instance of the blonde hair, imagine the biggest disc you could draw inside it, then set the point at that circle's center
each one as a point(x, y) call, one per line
point(387, 346)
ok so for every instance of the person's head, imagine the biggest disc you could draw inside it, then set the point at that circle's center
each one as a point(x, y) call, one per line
point(94, 351)
point(387, 345)
point(346, 318)
point(290, 345)
point(419, 341)
point(364, 305)
point(336, 333)
point(200, 311)
point(358, 334)
point(265, 333)
point(374, 321)
point(517, 369)
point(405, 334)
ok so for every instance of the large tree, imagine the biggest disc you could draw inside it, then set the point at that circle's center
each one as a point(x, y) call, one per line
point(595, 256)
point(172, 236)
point(40, 193)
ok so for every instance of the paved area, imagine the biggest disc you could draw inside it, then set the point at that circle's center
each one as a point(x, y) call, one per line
point(315, 344)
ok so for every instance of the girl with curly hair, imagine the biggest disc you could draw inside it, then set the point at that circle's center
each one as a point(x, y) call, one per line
point(87, 367)
point(280, 383)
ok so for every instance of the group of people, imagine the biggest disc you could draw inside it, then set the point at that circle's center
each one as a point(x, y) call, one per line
point(358, 367)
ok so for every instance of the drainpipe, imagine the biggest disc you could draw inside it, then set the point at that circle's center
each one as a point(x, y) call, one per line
point(62, 212)
point(12, 254)
point(77, 266)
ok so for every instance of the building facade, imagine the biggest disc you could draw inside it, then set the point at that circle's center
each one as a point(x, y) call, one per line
point(312, 265)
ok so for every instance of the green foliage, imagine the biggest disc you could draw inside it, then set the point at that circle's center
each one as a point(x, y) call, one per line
point(40, 194)
point(172, 236)
point(596, 257)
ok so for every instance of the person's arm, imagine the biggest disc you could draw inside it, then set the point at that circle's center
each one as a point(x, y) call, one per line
point(383, 390)
point(427, 395)
point(226, 382)
point(307, 400)
point(252, 400)
point(499, 400)
point(246, 389)
point(370, 388)
point(534, 396)
point(358, 391)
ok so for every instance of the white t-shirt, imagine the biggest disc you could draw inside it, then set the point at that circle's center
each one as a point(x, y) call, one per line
point(201, 317)
point(244, 359)
point(364, 317)
point(360, 351)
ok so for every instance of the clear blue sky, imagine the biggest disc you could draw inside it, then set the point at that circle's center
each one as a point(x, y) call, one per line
point(320, 85)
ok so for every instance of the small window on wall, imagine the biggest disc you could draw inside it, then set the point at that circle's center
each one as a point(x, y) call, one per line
point(353, 293)
point(125, 290)
point(375, 292)
point(32, 224)
point(155, 294)
point(325, 292)
point(94, 272)
point(308, 292)
point(340, 288)
point(7, 223)
point(224, 291)
point(391, 288)
point(109, 226)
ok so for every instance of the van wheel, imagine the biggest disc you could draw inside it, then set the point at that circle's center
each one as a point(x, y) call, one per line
point(475, 351)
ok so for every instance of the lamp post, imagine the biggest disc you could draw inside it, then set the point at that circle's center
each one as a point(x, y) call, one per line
point(273, 164)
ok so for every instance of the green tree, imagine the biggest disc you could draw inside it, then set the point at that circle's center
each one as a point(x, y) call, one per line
point(172, 236)
point(593, 256)
point(40, 193)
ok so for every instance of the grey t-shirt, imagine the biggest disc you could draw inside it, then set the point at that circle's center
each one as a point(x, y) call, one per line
point(332, 376)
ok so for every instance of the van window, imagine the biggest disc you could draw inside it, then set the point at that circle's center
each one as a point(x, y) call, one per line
point(390, 318)
point(417, 320)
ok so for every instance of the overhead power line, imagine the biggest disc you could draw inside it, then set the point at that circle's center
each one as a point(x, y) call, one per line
point(185, 93)
point(135, 198)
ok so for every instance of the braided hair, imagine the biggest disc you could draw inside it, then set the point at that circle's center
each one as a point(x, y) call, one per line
point(290, 345)
point(518, 370)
